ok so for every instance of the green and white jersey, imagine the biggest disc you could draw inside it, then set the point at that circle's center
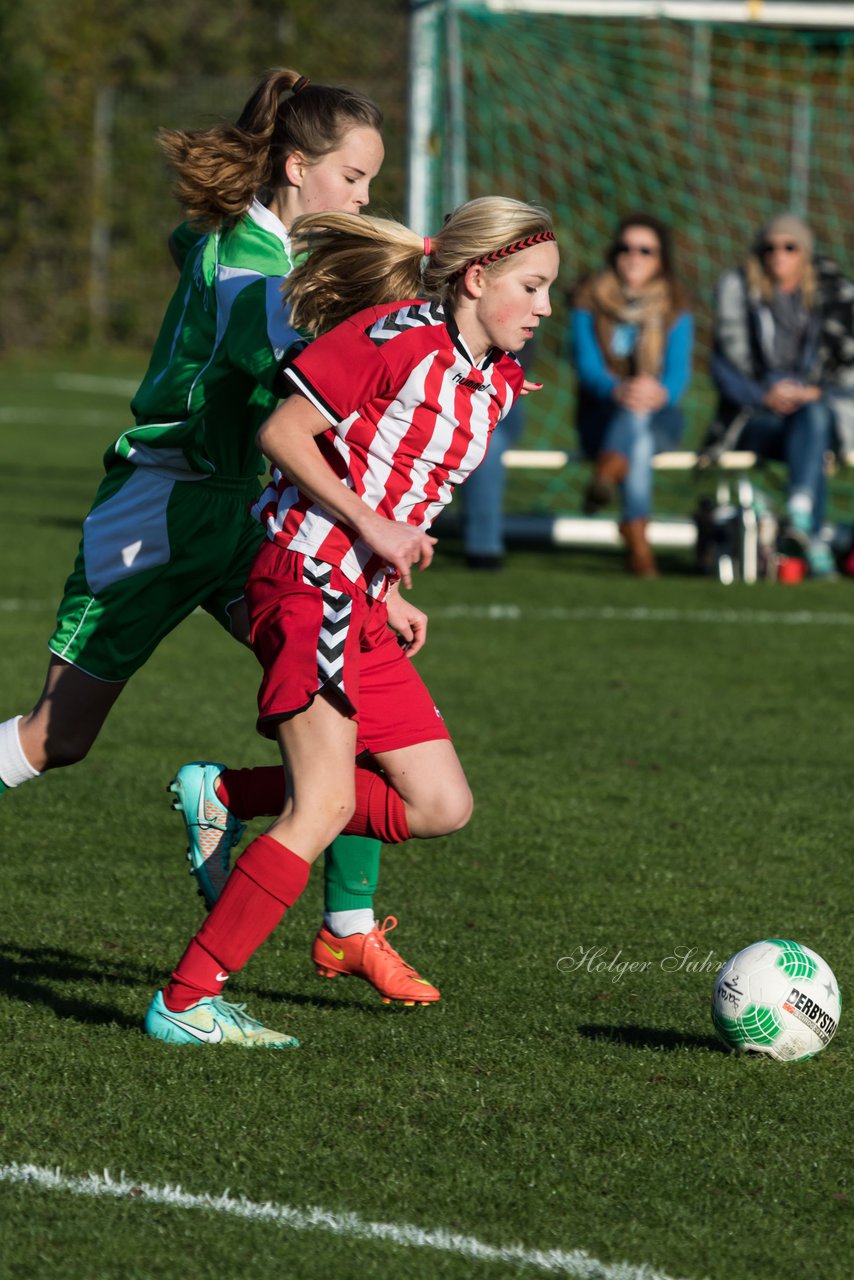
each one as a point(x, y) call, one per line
point(212, 378)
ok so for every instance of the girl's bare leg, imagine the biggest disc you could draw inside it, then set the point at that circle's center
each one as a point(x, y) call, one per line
point(318, 748)
point(67, 718)
point(430, 780)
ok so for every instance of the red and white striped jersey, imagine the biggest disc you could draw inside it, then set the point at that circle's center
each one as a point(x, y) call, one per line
point(411, 416)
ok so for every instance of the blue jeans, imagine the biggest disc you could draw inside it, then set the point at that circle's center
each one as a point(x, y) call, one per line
point(483, 492)
point(799, 439)
point(604, 425)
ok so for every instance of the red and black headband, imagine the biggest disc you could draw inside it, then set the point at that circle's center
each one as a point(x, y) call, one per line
point(527, 242)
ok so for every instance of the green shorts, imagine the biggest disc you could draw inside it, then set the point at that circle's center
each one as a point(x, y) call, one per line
point(154, 548)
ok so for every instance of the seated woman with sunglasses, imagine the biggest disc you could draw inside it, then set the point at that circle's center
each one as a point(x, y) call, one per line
point(632, 336)
point(783, 364)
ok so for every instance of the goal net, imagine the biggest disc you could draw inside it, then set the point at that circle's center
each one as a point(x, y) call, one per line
point(713, 116)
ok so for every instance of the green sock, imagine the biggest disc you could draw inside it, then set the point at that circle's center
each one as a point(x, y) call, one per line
point(3, 787)
point(351, 873)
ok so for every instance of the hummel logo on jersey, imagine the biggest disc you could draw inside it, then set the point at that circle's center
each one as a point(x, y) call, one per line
point(212, 1036)
point(470, 382)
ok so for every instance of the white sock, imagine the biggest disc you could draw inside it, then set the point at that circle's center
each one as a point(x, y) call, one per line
point(345, 923)
point(15, 768)
point(800, 503)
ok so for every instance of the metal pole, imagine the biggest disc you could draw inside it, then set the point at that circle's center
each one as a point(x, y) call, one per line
point(700, 65)
point(799, 177)
point(424, 82)
point(99, 238)
point(457, 158)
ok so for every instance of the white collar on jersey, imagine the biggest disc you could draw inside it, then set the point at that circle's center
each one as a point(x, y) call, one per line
point(265, 218)
point(457, 338)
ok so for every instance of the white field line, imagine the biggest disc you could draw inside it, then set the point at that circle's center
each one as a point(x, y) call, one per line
point(602, 613)
point(606, 613)
point(29, 416)
point(88, 383)
point(575, 1263)
point(97, 383)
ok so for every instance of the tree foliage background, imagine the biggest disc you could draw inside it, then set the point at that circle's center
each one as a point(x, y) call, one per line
point(85, 197)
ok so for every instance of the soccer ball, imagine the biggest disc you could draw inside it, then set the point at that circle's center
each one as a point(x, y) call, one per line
point(778, 998)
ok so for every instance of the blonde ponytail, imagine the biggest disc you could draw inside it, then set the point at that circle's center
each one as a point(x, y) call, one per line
point(353, 262)
point(356, 262)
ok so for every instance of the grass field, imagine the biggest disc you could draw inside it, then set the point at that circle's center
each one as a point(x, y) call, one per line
point(662, 773)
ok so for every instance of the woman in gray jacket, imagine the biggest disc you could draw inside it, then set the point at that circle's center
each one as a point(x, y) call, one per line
point(783, 363)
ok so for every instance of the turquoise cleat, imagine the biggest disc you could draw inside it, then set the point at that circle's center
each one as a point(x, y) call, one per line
point(212, 1021)
point(820, 560)
point(212, 832)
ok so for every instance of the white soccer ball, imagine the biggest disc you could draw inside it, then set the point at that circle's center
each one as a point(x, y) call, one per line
point(776, 997)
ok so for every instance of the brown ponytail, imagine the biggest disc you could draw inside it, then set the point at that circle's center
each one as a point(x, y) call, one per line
point(219, 170)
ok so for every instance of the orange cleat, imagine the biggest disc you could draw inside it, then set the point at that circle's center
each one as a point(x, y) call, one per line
point(370, 956)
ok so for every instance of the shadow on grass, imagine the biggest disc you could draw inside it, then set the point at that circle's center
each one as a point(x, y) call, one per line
point(631, 1037)
point(36, 975)
point(17, 518)
point(301, 999)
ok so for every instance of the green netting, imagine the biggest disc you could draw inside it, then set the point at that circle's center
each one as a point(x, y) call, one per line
point(712, 127)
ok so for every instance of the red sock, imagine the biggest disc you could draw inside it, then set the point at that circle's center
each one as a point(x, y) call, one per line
point(266, 880)
point(253, 793)
point(196, 974)
point(379, 812)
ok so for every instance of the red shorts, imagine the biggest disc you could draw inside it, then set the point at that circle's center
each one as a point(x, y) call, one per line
point(313, 630)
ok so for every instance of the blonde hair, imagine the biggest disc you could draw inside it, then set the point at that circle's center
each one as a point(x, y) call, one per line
point(355, 261)
point(761, 284)
point(219, 170)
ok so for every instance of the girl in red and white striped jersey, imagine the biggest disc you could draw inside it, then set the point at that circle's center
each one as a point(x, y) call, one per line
point(392, 407)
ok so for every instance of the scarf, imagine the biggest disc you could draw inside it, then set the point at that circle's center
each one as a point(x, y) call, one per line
point(651, 311)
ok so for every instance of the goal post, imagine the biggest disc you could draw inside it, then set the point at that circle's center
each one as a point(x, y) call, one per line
point(714, 116)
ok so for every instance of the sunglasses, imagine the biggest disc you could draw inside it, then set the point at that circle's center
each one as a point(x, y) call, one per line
point(788, 246)
point(645, 250)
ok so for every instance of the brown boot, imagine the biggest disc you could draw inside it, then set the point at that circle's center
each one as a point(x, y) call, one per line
point(641, 561)
point(611, 469)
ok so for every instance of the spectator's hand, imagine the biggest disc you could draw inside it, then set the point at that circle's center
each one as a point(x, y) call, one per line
point(785, 396)
point(804, 395)
point(623, 393)
point(651, 392)
point(409, 623)
point(643, 394)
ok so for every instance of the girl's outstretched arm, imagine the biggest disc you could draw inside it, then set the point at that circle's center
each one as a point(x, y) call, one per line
point(288, 440)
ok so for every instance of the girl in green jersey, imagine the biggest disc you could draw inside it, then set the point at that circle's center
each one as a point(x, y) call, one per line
point(169, 529)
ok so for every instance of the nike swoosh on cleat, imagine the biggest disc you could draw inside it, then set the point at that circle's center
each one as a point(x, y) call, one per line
point(214, 1036)
point(339, 955)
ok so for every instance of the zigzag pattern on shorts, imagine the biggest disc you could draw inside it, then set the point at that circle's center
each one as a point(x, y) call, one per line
point(539, 237)
point(337, 608)
point(419, 313)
